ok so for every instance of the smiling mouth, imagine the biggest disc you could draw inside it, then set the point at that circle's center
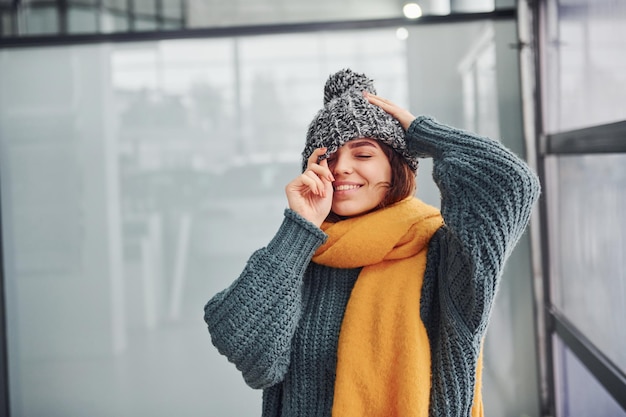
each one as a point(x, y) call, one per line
point(346, 187)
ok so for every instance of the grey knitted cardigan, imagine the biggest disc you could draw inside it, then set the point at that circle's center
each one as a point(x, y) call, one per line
point(279, 321)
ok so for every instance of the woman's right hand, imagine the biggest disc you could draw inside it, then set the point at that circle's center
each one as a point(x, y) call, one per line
point(311, 193)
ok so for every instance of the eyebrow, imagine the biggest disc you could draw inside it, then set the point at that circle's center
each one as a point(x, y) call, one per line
point(358, 143)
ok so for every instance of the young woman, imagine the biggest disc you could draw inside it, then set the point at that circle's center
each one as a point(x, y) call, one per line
point(368, 302)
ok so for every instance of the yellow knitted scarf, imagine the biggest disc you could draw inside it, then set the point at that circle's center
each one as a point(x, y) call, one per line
point(383, 358)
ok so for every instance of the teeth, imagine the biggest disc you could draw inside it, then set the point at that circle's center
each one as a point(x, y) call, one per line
point(346, 187)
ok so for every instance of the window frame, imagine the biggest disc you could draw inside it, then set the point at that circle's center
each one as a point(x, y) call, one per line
point(607, 138)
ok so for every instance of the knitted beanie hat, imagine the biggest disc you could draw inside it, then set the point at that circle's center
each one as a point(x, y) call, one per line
point(348, 115)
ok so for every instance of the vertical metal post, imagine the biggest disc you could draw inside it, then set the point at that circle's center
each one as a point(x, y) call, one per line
point(62, 11)
point(160, 22)
point(130, 14)
point(5, 409)
point(15, 12)
point(99, 7)
point(183, 14)
point(531, 14)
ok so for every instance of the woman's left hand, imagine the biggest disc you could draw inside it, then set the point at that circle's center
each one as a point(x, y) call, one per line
point(402, 115)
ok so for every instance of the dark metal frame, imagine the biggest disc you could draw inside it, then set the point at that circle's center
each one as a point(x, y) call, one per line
point(12, 11)
point(532, 92)
point(62, 8)
point(249, 30)
point(605, 371)
point(609, 138)
point(5, 408)
point(606, 138)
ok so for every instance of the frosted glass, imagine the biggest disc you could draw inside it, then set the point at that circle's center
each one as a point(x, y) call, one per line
point(580, 393)
point(588, 230)
point(586, 71)
point(137, 178)
point(81, 20)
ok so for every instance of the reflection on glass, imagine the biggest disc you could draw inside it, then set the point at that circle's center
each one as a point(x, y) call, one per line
point(580, 392)
point(586, 78)
point(589, 243)
point(480, 93)
point(41, 21)
point(82, 20)
point(194, 14)
point(152, 172)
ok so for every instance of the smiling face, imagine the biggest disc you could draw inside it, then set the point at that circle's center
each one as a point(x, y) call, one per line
point(362, 177)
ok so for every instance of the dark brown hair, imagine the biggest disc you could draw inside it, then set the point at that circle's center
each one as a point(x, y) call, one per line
point(403, 182)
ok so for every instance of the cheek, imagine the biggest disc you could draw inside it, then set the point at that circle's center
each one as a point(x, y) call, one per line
point(388, 174)
point(384, 174)
point(382, 182)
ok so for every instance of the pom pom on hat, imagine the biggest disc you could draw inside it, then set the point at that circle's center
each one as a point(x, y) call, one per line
point(348, 115)
point(343, 82)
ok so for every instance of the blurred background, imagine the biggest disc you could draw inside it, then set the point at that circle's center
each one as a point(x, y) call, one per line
point(145, 145)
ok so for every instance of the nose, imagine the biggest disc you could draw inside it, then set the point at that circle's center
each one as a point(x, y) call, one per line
point(341, 164)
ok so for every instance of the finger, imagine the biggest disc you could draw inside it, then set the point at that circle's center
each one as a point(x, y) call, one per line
point(322, 170)
point(399, 113)
point(313, 181)
point(315, 156)
point(312, 163)
point(304, 185)
point(324, 164)
point(386, 107)
point(373, 97)
point(324, 181)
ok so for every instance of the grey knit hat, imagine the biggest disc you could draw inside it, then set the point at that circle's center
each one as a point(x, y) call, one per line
point(348, 115)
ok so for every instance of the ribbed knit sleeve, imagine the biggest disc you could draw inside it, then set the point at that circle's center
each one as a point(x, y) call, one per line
point(487, 195)
point(253, 321)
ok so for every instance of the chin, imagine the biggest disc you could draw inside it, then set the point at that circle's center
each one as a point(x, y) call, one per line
point(347, 212)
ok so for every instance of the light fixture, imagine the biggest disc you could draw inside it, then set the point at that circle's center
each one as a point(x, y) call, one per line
point(412, 10)
point(402, 33)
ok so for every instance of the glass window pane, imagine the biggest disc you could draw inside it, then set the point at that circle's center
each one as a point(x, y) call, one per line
point(156, 168)
point(120, 198)
point(172, 25)
point(580, 393)
point(115, 4)
point(216, 13)
point(471, 6)
point(587, 70)
point(6, 22)
point(147, 7)
point(82, 20)
point(113, 22)
point(277, 72)
point(588, 230)
point(41, 20)
point(172, 8)
point(219, 13)
point(145, 24)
